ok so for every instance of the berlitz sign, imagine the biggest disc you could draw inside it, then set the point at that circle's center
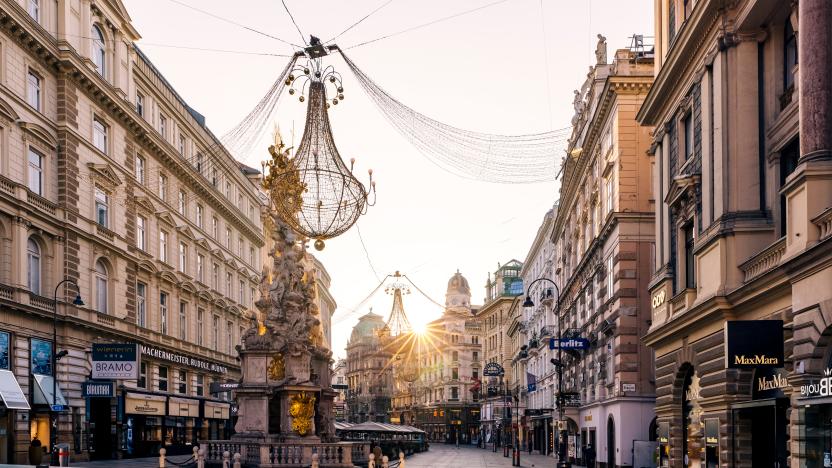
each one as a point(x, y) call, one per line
point(754, 343)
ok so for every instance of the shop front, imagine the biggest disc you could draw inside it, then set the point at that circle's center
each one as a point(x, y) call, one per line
point(144, 415)
point(216, 424)
point(815, 412)
point(14, 400)
point(763, 420)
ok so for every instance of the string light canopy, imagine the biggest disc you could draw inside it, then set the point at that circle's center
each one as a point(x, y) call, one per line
point(314, 191)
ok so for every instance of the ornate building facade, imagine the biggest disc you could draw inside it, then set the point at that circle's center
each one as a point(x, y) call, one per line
point(368, 370)
point(110, 180)
point(503, 297)
point(445, 393)
point(603, 247)
point(742, 107)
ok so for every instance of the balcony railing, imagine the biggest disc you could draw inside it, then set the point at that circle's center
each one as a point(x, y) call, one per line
point(824, 222)
point(764, 261)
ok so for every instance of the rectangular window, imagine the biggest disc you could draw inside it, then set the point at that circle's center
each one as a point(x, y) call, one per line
point(102, 206)
point(163, 313)
point(454, 393)
point(240, 246)
point(183, 320)
point(163, 126)
point(242, 292)
point(251, 294)
point(142, 383)
point(140, 104)
point(200, 268)
point(183, 203)
point(240, 202)
point(251, 256)
point(610, 194)
point(215, 228)
point(163, 187)
point(215, 275)
point(229, 338)
point(35, 172)
point(141, 241)
point(228, 190)
point(228, 238)
point(199, 162)
point(183, 257)
point(215, 332)
point(99, 135)
point(688, 125)
point(610, 277)
point(141, 304)
point(455, 373)
point(200, 325)
point(228, 290)
point(34, 10)
point(214, 178)
point(199, 387)
point(182, 384)
point(690, 262)
point(33, 90)
point(163, 379)
point(163, 246)
point(182, 145)
point(140, 169)
point(200, 212)
point(788, 163)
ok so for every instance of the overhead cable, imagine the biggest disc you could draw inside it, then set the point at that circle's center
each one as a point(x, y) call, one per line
point(361, 20)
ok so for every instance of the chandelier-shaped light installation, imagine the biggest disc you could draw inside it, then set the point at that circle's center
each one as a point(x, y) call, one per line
point(314, 191)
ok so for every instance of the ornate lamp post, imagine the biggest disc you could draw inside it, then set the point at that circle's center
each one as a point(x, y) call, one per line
point(56, 356)
point(528, 303)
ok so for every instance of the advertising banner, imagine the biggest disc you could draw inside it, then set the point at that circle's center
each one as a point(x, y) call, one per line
point(754, 343)
point(115, 361)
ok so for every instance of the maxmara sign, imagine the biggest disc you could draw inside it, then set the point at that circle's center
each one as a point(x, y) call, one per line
point(177, 358)
point(754, 343)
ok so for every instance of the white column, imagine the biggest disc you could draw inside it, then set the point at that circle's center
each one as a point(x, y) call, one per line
point(707, 152)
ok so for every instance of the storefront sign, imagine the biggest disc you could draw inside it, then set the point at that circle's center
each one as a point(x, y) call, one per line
point(754, 343)
point(138, 403)
point(628, 387)
point(185, 407)
point(711, 431)
point(115, 361)
point(571, 399)
point(221, 387)
point(568, 343)
point(216, 410)
point(41, 356)
point(769, 383)
point(823, 388)
point(664, 432)
point(492, 369)
point(182, 359)
point(97, 389)
point(659, 298)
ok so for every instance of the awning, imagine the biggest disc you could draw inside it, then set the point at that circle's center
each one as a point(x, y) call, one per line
point(183, 407)
point(216, 410)
point(43, 391)
point(140, 403)
point(13, 396)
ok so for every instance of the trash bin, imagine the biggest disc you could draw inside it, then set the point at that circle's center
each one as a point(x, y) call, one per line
point(63, 454)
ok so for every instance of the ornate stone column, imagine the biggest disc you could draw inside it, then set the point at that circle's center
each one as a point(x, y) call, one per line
point(815, 84)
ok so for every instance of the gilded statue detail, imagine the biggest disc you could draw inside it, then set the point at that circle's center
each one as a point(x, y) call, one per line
point(302, 409)
point(277, 369)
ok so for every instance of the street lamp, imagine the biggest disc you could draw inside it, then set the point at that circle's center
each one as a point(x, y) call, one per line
point(529, 303)
point(53, 434)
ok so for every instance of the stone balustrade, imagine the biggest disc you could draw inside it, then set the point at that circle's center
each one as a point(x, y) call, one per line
point(288, 454)
point(764, 261)
point(824, 223)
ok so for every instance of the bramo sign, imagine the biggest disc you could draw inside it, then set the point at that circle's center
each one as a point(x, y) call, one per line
point(115, 361)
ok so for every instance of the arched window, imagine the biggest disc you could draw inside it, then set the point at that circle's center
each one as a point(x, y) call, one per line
point(99, 52)
point(101, 287)
point(33, 261)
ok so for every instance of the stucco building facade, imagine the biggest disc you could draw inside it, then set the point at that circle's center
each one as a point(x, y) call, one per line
point(603, 242)
point(110, 180)
point(743, 181)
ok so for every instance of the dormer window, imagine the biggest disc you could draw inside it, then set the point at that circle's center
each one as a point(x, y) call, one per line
point(99, 51)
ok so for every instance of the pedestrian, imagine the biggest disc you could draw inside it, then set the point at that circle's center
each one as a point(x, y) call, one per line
point(590, 456)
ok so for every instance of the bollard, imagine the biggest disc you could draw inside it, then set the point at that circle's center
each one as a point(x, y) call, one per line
point(200, 459)
point(315, 461)
point(226, 459)
point(162, 453)
point(372, 462)
point(237, 458)
point(401, 459)
point(385, 462)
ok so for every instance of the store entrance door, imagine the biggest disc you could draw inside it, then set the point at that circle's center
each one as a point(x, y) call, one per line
point(101, 429)
point(765, 421)
point(6, 438)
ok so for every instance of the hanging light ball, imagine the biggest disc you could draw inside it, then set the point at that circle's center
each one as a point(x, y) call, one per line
point(332, 79)
point(288, 82)
point(340, 89)
point(291, 91)
point(327, 105)
point(341, 97)
point(335, 102)
point(317, 74)
point(305, 71)
point(319, 244)
point(301, 99)
point(291, 77)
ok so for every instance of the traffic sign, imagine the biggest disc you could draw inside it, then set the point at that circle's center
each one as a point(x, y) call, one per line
point(58, 408)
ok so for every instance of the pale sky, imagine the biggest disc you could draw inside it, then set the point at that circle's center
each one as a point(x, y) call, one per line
point(484, 71)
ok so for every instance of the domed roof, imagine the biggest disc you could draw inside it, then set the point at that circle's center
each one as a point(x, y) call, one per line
point(367, 325)
point(458, 285)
